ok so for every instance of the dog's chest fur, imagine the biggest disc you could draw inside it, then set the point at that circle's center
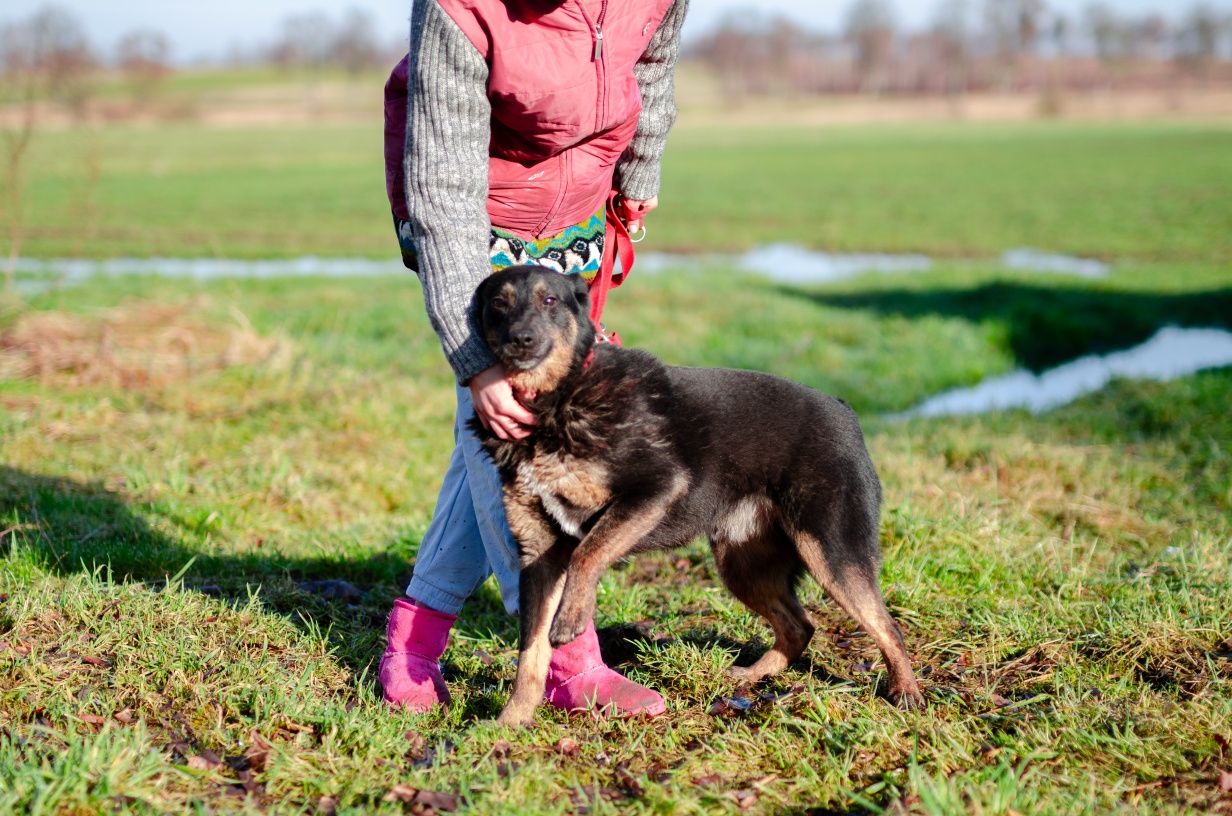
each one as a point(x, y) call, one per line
point(571, 490)
point(586, 435)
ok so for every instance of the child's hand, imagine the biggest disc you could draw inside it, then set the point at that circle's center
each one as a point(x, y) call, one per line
point(496, 406)
point(634, 211)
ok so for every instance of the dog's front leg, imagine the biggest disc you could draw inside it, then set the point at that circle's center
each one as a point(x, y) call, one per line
point(615, 535)
point(544, 559)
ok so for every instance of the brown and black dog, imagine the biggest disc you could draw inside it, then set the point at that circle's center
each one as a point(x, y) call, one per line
point(630, 455)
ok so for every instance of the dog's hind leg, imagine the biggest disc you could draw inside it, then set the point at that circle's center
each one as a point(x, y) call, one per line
point(762, 573)
point(851, 579)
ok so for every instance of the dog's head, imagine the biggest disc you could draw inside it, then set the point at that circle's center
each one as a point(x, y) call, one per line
point(536, 322)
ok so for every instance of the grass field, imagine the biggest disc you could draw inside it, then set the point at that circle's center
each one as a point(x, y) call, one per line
point(173, 507)
point(1149, 192)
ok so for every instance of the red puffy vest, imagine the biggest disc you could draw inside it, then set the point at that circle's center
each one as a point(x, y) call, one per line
point(564, 100)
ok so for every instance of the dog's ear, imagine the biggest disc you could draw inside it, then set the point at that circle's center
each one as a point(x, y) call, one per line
point(581, 291)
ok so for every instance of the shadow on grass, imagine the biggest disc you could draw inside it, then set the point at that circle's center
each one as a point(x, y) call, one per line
point(75, 527)
point(1047, 325)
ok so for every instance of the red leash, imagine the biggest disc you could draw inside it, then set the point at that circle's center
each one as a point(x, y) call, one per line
point(616, 244)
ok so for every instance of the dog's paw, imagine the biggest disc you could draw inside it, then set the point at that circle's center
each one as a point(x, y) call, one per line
point(566, 627)
point(908, 698)
point(742, 675)
point(515, 718)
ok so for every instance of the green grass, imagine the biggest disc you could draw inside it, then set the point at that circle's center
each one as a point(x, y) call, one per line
point(1063, 581)
point(1149, 192)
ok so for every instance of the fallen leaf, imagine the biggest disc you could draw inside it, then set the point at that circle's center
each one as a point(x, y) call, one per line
point(731, 706)
point(258, 751)
point(415, 744)
point(205, 761)
point(708, 780)
point(249, 784)
point(92, 719)
point(1225, 780)
point(297, 728)
point(95, 661)
point(327, 806)
point(483, 657)
point(567, 747)
point(180, 747)
point(863, 667)
point(745, 798)
point(124, 717)
point(776, 697)
point(400, 793)
point(1001, 702)
point(446, 802)
point(626, 781)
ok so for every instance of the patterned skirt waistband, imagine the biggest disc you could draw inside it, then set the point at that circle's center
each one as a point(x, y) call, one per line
point(576, 250)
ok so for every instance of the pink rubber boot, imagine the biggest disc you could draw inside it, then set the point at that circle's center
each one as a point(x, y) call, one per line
point(414, 641)
point(578, 680)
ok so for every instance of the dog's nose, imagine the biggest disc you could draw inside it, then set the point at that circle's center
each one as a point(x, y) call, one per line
point(522, 339)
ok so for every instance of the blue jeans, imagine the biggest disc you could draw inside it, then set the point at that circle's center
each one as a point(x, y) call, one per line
point(468, 539)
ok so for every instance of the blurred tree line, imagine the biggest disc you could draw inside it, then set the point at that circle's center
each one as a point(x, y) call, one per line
point(971, 45)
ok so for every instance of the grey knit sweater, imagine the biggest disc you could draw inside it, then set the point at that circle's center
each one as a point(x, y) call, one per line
point(446, 164)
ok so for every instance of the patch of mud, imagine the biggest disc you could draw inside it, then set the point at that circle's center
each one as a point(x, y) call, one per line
point(1172, 352)
point(136, 345)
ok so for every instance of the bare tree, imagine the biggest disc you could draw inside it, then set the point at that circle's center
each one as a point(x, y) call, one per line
point(144, 55)
point(1197, 37)
point(355, 46)
point(1060, 34)
point(44, 57)
point(871, 28)
point(307, 41)
point(952, 32)
point(1106, 30)
point(1012, 30)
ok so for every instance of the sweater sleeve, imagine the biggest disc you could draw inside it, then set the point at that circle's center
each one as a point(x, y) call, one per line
point(637, 172)
point(446, 172)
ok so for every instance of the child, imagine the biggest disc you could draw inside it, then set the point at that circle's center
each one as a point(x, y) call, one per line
point(506, 127)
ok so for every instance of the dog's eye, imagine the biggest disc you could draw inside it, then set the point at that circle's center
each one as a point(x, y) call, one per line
point(549, 301)
point(498, 304)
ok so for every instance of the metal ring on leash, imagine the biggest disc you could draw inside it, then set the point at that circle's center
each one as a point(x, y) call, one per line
point(641, 236)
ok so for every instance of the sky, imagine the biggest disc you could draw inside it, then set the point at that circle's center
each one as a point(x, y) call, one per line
point(209, 29)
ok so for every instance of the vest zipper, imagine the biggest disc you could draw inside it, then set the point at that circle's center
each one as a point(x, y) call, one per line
point(596, 27)
point(566, 170)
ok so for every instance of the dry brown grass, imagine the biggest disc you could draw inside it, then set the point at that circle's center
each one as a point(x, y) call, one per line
point(134, 345)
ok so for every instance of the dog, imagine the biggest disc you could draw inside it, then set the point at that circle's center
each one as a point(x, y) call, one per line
point(629, 455)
